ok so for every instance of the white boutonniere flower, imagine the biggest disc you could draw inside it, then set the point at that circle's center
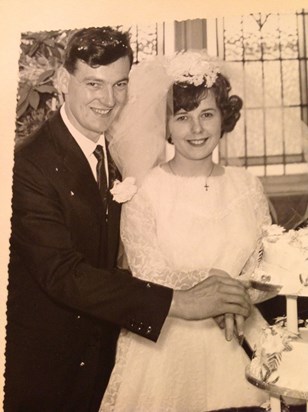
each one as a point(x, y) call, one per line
point(124, 191)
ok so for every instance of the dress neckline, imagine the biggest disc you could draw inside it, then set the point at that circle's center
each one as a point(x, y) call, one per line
point(213, 176)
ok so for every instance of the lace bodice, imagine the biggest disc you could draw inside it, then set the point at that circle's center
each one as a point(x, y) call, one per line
point(174, 230)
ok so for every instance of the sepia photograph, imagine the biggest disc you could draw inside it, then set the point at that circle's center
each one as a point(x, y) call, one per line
point(154, 223)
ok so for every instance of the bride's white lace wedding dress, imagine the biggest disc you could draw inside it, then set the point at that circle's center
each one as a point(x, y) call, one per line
point(174, 231)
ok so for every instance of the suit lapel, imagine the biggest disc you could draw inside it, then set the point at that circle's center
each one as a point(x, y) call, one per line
point(75, 167)
point(76, 174)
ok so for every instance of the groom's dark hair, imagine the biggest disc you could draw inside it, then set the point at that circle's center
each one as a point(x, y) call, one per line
point(97, 46)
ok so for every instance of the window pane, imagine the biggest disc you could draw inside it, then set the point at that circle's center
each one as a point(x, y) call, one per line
point(255, 135)
point(233, 38)
point(270, 38)
point(274, 132)
point(288, 36)
point(290, 74)
point(251, 34)
point(253, 82)
point(294, 141)
point(272, 83)
point(236, 141)
point(143, 40)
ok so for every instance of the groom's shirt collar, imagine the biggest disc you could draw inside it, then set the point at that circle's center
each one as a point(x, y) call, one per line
point(86, 145)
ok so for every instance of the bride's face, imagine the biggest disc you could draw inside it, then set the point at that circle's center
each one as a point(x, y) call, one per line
point(196, 133)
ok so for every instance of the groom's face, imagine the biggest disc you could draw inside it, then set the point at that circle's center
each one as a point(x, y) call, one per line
point(94, 96)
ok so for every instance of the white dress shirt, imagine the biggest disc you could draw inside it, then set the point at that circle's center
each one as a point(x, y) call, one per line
point(86, 145)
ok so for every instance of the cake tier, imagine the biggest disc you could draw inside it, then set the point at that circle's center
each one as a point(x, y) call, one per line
point(284, 262)
point(280, 364)
point(289, 282)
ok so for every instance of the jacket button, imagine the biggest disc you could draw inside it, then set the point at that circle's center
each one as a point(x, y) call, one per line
point(148, 285)
point(82, 364)
point(149, 330)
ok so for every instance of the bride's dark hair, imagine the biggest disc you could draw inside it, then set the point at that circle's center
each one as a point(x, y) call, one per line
point(188, 97)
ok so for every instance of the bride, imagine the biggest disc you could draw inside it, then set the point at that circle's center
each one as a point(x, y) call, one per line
point(189, 215)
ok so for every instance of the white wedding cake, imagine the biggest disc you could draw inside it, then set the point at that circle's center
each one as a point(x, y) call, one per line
point(281, 352)
point(281, 359)
point(284, 260)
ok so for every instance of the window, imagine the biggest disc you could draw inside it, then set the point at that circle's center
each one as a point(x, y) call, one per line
point(268, 57)
point(150, 39)
point(271, 51)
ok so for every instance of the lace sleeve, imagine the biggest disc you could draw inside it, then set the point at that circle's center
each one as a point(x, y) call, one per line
point(145, 257)
point(263, 218)
point(261, 205)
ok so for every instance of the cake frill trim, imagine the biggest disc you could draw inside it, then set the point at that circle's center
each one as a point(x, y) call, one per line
point(295, 238)
point(267, 356)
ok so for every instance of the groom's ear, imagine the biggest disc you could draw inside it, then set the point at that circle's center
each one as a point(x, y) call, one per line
point(63, 79)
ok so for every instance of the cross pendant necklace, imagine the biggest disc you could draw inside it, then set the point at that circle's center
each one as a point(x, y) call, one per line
point(206, 186)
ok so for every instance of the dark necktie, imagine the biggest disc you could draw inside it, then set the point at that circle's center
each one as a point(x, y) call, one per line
point(101, 173)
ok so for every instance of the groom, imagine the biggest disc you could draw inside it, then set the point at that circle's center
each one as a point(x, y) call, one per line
point(66, 298)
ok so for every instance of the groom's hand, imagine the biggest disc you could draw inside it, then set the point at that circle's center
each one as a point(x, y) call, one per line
point(233, 325)
point(216, 295)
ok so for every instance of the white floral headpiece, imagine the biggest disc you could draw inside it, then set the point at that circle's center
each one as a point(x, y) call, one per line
point(193, 67)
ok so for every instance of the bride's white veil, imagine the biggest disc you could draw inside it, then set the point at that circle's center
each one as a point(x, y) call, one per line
point(138, 136)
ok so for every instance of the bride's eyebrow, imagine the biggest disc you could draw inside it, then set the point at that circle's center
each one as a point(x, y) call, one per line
point(181, 111)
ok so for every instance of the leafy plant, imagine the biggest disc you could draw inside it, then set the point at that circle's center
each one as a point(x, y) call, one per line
point(41, 55)
point(30, 93)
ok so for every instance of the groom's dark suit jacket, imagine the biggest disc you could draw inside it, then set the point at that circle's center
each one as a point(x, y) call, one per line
point(66, 299)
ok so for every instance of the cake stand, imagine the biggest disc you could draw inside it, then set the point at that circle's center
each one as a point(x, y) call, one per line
point(277, 392)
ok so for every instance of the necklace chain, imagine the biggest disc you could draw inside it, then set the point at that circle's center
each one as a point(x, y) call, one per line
point(206, 186)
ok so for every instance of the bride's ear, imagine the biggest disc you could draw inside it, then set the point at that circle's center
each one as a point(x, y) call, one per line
point(63, 79)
